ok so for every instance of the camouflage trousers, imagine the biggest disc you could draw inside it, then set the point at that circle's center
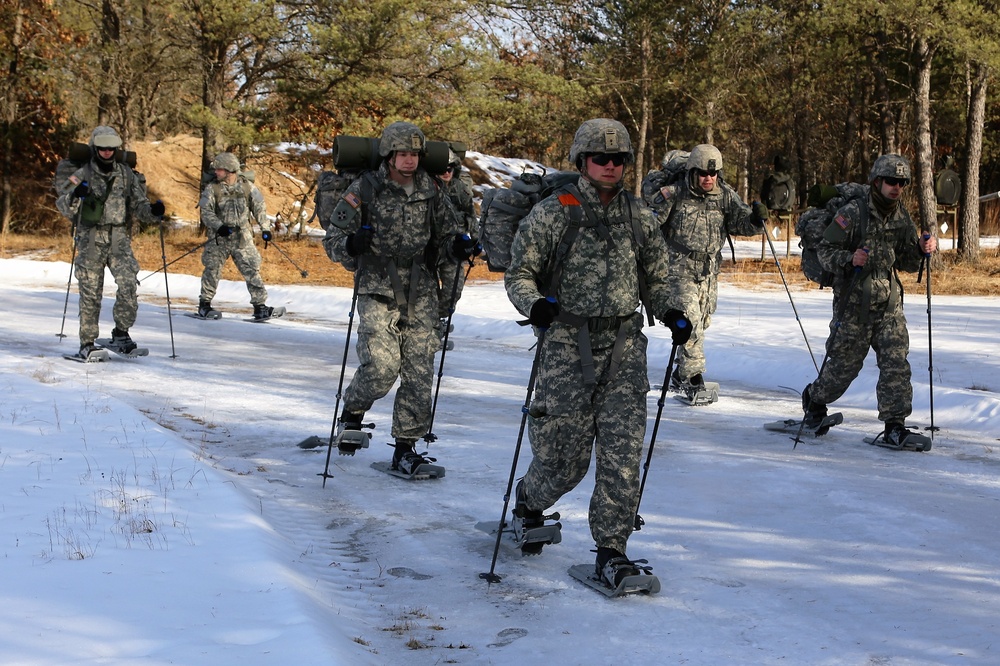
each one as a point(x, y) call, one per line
point(97, 248)
point(698, 300)
point(452, 283)
point(569, 421)
point(846, 349)
point(389, 346)
point(246, 258)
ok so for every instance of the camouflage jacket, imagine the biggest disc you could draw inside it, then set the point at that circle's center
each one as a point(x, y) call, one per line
point(461, 199)
point(126, 189)
point(408, 229)
point(231, 205)
point(599, 278)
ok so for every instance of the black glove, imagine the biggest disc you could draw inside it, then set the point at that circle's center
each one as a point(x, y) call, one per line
point(81, 190)
point(543, 312)
point(759, 215)
point(464, 247)
point(266, 235)
point(157, 209)
point(224, 231)
point(679, 325)
point(360, 242)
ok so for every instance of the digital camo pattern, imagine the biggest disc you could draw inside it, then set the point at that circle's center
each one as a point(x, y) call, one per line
point(222, 204)
point(873, 316)
point(106, 244)
point(695, 226)
point(568, 418)
point(452, 277)
point(409, 229)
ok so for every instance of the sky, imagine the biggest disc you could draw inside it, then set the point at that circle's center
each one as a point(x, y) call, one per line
point(158, 511)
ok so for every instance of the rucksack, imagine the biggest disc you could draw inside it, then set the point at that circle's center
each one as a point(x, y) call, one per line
point(779, 192)
point(330, 188)
point(812, 225)
point(503, 209)
point(947, 187)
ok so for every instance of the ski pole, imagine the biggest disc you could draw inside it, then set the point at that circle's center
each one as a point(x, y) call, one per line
point(166, 287)
point(303, 273)
point(343, 368)
point(639, 522)
point(790, 299)
point(165, 264)
point(490, 577)
point(930, 346)
point(836, 329)
point(430, 436)
point(69, 280)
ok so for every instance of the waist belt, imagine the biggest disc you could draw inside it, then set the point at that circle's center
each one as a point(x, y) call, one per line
point(704, 258)
point(585, 326)
point(391, 266)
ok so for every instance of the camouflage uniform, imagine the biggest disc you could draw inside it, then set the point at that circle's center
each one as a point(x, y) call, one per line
point(695, 225)
point(453, 279)
point(570, 415)
point(868, 305)
point(107, 243)
point(397, 293)
point(221, 205)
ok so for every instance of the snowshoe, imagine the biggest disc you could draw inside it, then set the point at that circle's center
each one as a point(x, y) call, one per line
point(205, 311)
point(791, 426)
point(263, 312)
point(89, 354)
point(899, 438)
point(351, 435)
point(617, 577)
point(443, 328)
point(520, 540)
point(122, 344)
point(410, 465)
point(694, 391)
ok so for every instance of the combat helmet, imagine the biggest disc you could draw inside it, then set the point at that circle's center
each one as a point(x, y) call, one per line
point(705, 157)
point(104, 136)
point(401, 136)
point(600, 135)
point(890, 166)
point(226, 161)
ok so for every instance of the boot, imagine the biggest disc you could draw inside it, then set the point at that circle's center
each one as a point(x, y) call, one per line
point(895, 434)
point(121, 341)
point(204, 308)
point(528, 519)
point(612, 566)
point(405, 458)
point(351, 420)
point(815, 412)
point(262, 311)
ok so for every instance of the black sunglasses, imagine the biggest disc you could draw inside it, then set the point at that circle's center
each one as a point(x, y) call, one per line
point(449, 169)
point(711, 173)
point(896, 181)
point(617, 159)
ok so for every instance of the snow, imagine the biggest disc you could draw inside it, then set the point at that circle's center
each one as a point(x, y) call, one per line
point(158, 511)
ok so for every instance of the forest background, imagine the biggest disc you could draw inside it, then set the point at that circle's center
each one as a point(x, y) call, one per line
point(830, 85)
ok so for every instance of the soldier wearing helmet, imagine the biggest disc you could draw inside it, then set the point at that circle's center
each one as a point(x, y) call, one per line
point(871, 239)
point(697, 211)
point(393, 227)
point(103, 197)
point(230, 205)
point(591, 375)
point(453, 277)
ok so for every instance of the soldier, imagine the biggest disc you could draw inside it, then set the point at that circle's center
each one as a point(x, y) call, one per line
point(696, 215)
point(592, 383)
point(452, 278)
point(103, 195)
point(867, 242)
point(229, 207)
point(393, 227)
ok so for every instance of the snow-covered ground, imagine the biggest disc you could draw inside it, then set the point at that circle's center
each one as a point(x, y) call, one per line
point(158, 511)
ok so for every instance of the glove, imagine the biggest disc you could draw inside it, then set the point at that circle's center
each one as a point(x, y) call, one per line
point(360, 242)
point(224, 231)
point(464, 247)
point(543, 312)
point(759, 214)
point(679, 325)
point(266, 235)
point(157, 209)
point(81, 190)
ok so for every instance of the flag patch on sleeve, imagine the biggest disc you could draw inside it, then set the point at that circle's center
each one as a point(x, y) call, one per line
point(352, 199)
point(841, 221)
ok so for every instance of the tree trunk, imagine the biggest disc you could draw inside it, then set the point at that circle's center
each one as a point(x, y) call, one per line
point(887, 129)
point(645, 108)
point(924, 180)
point(968, 226)
point(9, 117)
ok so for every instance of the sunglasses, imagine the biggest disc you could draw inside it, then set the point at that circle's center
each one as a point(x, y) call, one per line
point(450, 169)
point(712, 173)
point(900, 182)
point(617, 159)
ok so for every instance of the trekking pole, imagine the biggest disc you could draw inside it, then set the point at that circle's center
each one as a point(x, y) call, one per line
point(343, 368)
point(69, 280)
point(791, 300)
point(639, 522)
point(166, 287)
point(490, 577)
point(930, 346)
point(303, 273)
point(165, 264)
point(430, 436)
point(836, 329)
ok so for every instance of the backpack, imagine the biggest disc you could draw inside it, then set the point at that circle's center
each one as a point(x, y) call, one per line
point(812, 225)
point(330, 188)
point(947, 187)
point(503, 209)
point(779, 192)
